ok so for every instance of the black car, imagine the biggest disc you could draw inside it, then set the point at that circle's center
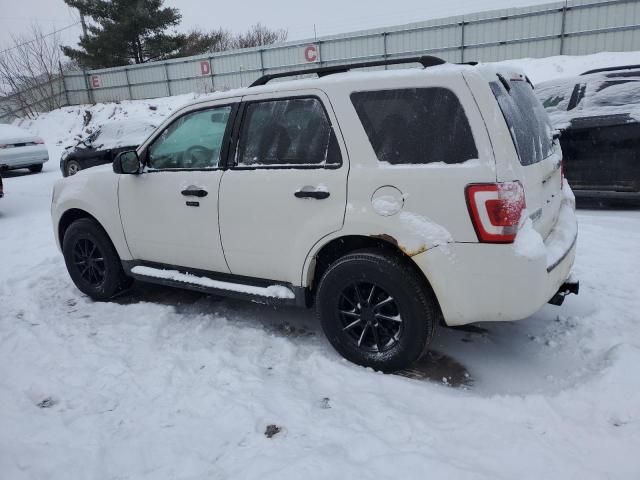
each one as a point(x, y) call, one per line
point(101, 145)
point(598, 115)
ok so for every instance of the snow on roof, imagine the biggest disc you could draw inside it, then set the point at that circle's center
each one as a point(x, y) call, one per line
point(605, 93)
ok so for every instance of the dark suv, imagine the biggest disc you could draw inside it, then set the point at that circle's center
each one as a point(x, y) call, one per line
point(598, 115)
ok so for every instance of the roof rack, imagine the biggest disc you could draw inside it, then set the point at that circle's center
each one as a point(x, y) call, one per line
point(611, 69)
point(425, 60)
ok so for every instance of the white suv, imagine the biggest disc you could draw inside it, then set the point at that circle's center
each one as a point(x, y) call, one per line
point(389, 200)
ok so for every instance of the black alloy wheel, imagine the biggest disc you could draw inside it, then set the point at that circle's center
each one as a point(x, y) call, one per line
point(90, 261)
point(370, 317)
point(376, 309)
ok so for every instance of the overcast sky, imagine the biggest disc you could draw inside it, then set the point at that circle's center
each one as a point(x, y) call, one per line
point(298, 17)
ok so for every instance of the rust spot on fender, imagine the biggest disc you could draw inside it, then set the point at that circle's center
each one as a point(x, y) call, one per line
point(386, 238)
point(405, 250)
point(413, 253)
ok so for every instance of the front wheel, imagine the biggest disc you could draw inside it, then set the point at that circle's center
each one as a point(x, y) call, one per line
point(376, 311)
point(92, 260)
point(72, 168)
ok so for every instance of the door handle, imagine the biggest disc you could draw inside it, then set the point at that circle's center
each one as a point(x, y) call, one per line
point(317, 194)
point(194, 192)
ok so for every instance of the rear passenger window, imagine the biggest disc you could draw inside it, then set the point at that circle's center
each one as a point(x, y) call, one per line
point(288, 132)
point(416, 125)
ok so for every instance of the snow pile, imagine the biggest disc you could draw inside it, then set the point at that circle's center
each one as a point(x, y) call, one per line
point(528, 242)
point(386, 205)
point(422, 233)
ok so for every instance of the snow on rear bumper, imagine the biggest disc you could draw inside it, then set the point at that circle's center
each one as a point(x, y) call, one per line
point(481, 282)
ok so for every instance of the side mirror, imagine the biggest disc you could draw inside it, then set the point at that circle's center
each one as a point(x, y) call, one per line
point(127, 163)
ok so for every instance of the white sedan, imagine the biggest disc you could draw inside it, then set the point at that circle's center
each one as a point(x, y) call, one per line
point(20, 149)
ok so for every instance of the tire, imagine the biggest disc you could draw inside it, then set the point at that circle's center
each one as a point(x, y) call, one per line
point(405, 324)
point(71, 168)
point(35, 168)
point(92, 260)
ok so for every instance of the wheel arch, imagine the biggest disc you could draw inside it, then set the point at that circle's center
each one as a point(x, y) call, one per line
point(318, 262)
point(70, 216)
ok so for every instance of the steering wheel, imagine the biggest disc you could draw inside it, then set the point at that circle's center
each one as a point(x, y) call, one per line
point(198, 156)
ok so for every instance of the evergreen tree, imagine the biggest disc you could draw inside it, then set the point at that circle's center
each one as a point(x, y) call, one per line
point(125, 31)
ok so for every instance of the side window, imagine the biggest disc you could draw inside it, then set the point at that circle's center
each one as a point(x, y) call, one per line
point(416, 125)
point(291, 132)
point(192, 141)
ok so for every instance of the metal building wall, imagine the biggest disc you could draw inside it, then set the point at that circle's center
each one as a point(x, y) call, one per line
point(577, 27)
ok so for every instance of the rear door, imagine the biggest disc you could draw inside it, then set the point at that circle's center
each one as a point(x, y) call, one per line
point(286, 187)
point(538, 162)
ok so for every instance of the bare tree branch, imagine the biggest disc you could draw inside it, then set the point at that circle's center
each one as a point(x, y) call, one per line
point(30, 73)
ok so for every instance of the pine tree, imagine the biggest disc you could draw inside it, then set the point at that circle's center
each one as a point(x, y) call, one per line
point(122, 32)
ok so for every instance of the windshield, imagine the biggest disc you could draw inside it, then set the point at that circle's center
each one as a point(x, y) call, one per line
point(527, 120)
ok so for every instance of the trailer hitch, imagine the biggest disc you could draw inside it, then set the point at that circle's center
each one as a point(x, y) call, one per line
point(565, 289)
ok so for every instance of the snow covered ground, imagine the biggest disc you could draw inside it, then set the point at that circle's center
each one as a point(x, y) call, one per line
point(164, 383)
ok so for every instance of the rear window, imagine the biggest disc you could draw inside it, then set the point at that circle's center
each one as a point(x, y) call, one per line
point(416, 125)
point(527, 120)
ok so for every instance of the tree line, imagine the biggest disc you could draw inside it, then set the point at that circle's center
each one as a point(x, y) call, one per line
point(123, 32)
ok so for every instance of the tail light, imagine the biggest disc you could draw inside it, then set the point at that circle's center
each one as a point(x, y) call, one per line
point(4, 145)
point(495, 210)
point(38, 141)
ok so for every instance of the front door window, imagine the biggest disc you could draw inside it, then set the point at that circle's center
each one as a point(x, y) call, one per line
point(193, 141)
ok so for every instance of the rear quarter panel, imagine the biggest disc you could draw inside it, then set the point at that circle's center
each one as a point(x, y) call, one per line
point(434, 209)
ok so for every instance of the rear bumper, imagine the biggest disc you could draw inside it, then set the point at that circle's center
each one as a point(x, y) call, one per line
point(21, 157)
point(479, 282)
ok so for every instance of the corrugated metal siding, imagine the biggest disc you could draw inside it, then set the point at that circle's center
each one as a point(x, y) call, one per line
point(589, 26)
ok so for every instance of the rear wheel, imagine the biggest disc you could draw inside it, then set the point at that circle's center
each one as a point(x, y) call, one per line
point(92, 260)
point(376, 311)
point(35, 168)
point(72, 168)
